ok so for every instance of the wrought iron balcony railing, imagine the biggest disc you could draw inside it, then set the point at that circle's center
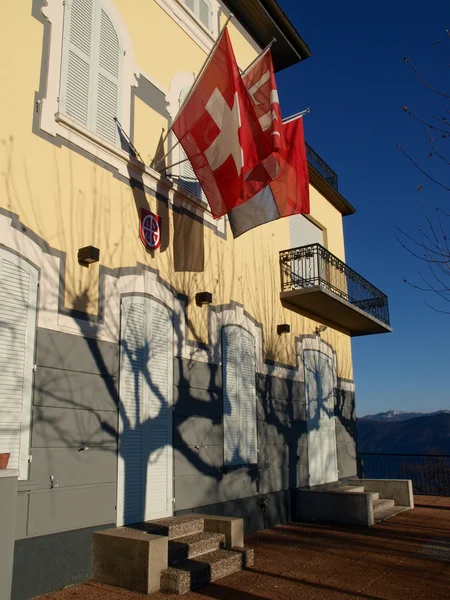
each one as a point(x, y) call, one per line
point(313, 266)
point(321, 167)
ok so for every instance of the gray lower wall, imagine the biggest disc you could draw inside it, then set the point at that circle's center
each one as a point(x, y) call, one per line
point(73, 436)
point(74, 439)
point(46, 563)
point(200, 478)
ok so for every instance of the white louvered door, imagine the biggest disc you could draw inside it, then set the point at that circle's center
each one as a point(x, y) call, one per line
point(313, 407)
point(239, 413)
point(145, 412)
point(230, 359)
point(18, 298)
point(158, 388)
point(327, 420)
point(247, 399)
point(319, 382)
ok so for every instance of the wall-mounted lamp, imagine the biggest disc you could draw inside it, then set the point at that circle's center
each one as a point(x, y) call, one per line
point(283, 328)
point(203, 298)
point(88, 255)
point(320, 329)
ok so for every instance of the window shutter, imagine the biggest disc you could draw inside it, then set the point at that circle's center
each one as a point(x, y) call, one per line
point(107, 96)
point(247, 396)
point(18, 292)
point(188, 180)
point(238, 359)
point(230, 344)
point(190, 4)
point(204, 13)
point(77, 73)
point(159, 407)
point(131, 407)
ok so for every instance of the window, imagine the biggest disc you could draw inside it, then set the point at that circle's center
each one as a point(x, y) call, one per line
point(18, 294)
point(202, 10)
point(91, 68)
point(188, 180)
point(239, 403)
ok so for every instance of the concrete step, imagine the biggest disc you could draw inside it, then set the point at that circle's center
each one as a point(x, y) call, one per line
point(190, 546)
point(173, 527)
point(382, 504)
point(375, 496)
point(194, 573)
point(388, 513)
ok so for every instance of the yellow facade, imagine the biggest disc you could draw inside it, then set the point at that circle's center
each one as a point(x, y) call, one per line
point(71, 199)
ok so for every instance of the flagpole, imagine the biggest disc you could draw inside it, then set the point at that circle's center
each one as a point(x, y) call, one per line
point(205, 64)
point(296, 116)
point(269, 45)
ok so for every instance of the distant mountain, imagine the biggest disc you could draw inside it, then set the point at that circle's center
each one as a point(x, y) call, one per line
point(419, 434)
point(398, 415)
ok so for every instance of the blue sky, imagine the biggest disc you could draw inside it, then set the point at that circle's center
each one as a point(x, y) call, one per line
point(355, 85)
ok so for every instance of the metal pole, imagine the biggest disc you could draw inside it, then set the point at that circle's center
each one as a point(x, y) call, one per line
point(205, 64)
point(296, 116)
point(174, 164)
point(269, 45)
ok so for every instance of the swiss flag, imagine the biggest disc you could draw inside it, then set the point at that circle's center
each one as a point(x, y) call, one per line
point(260, 82)
point(259, 79)
point(220, 132)
point(287, 195)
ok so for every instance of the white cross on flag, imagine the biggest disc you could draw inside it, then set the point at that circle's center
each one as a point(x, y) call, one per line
point(279, 186)
point(220, 131)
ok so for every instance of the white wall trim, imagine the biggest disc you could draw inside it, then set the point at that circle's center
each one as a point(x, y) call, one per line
point(189, 24)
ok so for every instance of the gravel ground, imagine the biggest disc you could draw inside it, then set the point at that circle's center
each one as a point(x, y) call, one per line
point(406, 558)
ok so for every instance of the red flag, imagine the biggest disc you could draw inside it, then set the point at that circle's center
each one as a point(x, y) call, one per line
point(260, 82)
point(287, 195)
point(219, 131)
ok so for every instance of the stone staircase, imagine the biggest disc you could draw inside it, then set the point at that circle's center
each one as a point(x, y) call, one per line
point(354, 501)
point(197, 556)
point(383, 508)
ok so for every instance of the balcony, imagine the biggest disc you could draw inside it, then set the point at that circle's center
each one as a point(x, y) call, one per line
point(316, 283)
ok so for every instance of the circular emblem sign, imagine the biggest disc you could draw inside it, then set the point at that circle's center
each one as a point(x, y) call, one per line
point(150, 229)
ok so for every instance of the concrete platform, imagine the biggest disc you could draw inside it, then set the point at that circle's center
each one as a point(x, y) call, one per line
point(406, 557)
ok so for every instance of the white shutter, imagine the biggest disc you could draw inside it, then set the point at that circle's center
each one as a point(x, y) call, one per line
point(313, 424)
point(201, 10)
point(327, 421)
point(204, 13)
point(91, 68)
point(131, 493)
point(145, 428)
point(190, 4)
point(77, 76)
point(239, 411)
point(158, 437)
point(303, 232)
point(230, 375)
point(18, 294)
point(247, 445)
point(319, 381)
point(188, 179)
point(107, 90)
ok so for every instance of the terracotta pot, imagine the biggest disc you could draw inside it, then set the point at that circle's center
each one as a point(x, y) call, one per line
point(4, 458)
